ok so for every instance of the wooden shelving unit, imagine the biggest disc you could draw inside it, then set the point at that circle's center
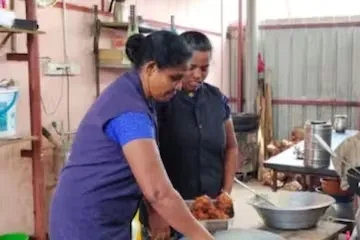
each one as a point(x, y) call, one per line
point(32, 57)
point(11, 31)
point(114, 57)
point(19, 30)
point(114, 66)
point(123, 26)
point(14, 140)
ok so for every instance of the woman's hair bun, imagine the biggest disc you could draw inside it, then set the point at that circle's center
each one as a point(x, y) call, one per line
point(133, 46)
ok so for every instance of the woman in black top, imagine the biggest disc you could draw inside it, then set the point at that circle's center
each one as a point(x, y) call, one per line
point(196, 135)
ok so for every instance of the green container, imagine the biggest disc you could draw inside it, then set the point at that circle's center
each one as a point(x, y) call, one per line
point(15, 236)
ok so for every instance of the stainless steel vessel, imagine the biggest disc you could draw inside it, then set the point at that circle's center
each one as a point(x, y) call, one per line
point(296, 210)
point(245, 234)
point(340, 123)
point(314, 155)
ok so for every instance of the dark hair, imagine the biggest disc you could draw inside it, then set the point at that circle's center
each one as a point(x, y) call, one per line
point(165, 48)
point(197, 41)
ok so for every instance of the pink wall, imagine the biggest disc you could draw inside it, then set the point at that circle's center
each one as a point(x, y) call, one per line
point(15, 172)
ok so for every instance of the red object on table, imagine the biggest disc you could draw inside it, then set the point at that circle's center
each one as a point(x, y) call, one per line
point(3, 3)
point(348, 235)
point(261, 64)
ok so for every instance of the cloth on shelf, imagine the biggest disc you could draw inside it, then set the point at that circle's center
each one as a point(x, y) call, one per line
point(349, 150)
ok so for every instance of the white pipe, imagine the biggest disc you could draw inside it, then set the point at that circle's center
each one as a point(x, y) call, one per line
point(251, 52)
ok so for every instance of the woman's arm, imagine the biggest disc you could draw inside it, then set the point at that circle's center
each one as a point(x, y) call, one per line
point(135, 133)
point(231, 150)
point(231, 156)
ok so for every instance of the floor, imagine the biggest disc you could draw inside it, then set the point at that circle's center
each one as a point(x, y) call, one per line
point(245, 215)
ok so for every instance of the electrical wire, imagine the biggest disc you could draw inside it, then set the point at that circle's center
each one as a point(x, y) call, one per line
point(45, 109)
point(66, 61)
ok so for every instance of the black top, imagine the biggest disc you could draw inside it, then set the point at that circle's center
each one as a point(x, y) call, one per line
point(192, 141)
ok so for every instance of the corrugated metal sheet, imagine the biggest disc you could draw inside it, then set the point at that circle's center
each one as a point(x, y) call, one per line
point(308, 63)
point(316, 63)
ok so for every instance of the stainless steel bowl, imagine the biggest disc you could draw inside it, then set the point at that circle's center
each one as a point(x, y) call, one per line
point(245, 234)
point(295, 210)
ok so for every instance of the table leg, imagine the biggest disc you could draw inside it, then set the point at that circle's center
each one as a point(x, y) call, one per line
point(274, 180)
point(303, 182)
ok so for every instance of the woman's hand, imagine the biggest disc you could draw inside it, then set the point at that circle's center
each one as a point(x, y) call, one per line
point(144, 159)
point(159, 228)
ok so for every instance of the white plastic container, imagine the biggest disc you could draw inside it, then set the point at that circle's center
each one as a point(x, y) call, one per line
point(7, 18)
point(8, 102)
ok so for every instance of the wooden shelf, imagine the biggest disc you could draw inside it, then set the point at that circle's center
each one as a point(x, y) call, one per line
point(18, 30)
point(124, 26)
point(16, 139)
point(20, 57)
point(115, 66)
point(11, 31)
point(112, 58)
point(108, 58)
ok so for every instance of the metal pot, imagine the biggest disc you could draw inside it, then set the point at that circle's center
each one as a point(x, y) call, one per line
point(296, 210)
point(331, 186)
point(340, 123)
point(315, 156)
point(118, 6)
point(245, 234)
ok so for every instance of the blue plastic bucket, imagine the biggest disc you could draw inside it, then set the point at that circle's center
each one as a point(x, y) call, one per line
point(8, 101)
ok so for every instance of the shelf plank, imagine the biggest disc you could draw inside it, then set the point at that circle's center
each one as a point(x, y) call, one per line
point(16, 139)
point(20, 57)
point(115, 66)
point(124, 26)
point(18, 30)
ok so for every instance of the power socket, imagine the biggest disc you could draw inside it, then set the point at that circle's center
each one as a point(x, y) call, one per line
point(61, 69)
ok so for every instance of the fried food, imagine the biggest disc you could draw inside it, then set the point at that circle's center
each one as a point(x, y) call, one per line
point(201, 203)
point(200, 215)
point(204, 208)
point(217, 214)
point(224, 202)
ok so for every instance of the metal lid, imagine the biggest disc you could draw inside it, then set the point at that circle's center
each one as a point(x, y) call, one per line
point(340, 116)
point(318, 124)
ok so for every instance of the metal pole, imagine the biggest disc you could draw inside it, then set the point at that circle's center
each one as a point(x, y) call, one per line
point(251, 50)
point(35, 118)
point(240, 59)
